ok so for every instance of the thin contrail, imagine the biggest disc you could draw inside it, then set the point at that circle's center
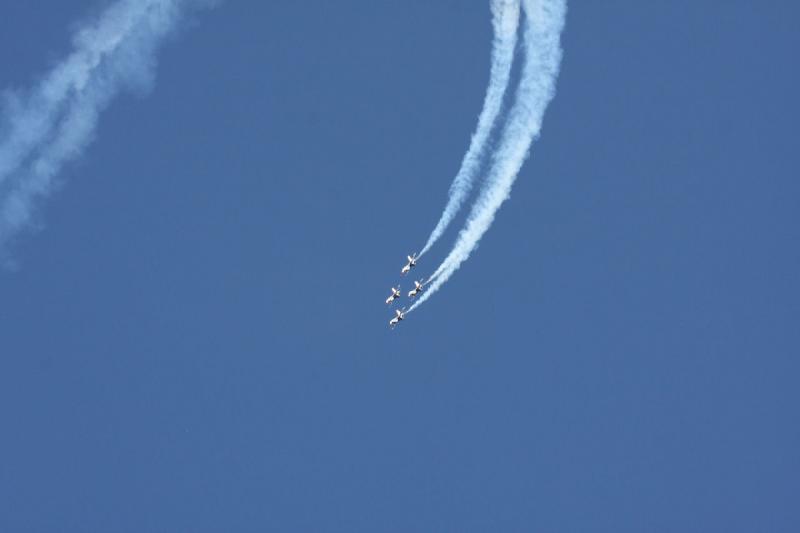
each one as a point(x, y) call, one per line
point(505, 20)
point(51, 124)
point(544, 20)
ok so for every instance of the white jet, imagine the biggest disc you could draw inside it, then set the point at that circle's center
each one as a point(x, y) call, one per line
point(412, 262)
point(418, 285)
point(395, 294)
point(396, 320)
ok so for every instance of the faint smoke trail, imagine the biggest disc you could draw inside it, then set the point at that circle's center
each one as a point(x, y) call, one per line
point(544, 20)
point(51, 124)
point(505, 20)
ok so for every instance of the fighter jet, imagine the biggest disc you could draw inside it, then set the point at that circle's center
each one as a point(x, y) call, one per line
point(396, 320)
point(395, 294)
point(417, 288)
point(412, 262)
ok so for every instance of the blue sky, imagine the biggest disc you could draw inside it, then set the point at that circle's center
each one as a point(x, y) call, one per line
point(195, 338)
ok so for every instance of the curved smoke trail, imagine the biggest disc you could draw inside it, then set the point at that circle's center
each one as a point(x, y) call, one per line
point(544, 20)
point(505, 20)
point(54, 122)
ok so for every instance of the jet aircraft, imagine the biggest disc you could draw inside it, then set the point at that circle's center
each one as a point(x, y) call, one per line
point(400, 315)
point(395, 294)
point(412, 262)
point(417, 288)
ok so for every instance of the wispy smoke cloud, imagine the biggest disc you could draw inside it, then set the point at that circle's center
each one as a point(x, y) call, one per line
point(544, 20)
point(505, 21)
point(51, 124)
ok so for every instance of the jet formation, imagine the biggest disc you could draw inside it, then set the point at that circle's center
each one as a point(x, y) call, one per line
point(396, 294)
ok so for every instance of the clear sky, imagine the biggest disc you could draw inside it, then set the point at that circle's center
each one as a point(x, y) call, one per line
point(195, 339)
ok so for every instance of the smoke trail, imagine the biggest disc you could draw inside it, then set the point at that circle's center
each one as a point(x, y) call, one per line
point(53, 123)
point(505, 20)
point(544, 20)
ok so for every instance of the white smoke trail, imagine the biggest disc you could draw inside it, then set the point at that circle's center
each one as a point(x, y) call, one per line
point(53, 123)
point(505, 21)
point(544, 20)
